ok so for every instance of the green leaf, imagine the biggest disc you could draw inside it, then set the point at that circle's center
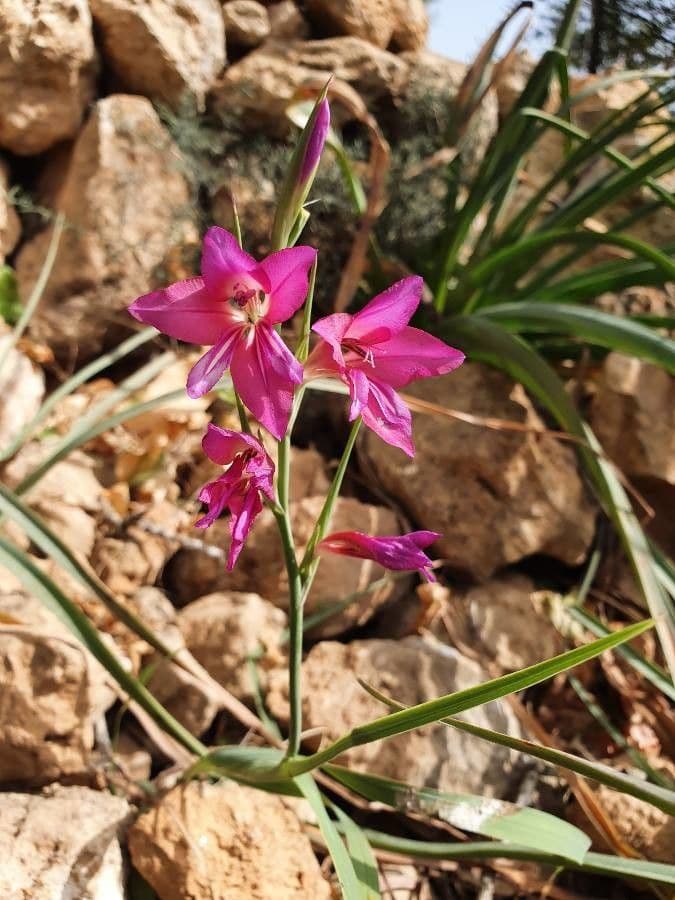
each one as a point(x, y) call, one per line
point(661, 797)
point(489, 817)
point(531, 247)
point(361, 853)
point(255, 766)
point(344, 869)
point(44, 589)
point(10, 304)
point(592, 325)
point(433, 710)
point(599, 863)
point(653, 673)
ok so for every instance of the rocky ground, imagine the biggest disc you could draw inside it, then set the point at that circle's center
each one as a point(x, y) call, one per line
point(108, 116)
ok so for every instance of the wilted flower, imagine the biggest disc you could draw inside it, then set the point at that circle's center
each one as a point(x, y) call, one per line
point(376, 352)
point(239, 489)
point(234, 306)
point(397, 552)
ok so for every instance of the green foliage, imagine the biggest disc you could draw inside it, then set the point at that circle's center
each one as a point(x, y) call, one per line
point(10, 303)
point(637, 33)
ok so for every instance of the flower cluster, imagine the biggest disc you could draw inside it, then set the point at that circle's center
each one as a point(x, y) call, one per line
point(236, 307)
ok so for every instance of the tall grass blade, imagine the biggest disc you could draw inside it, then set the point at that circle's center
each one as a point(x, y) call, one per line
point(488, 817)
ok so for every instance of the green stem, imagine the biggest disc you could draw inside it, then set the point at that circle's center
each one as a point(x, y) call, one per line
point(327, 511)
point(303, 348)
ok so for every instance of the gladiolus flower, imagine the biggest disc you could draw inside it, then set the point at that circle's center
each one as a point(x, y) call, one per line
point(315, 142)
point(375, 352)
point(239, 489)
point(234, 306)
point(398, 552)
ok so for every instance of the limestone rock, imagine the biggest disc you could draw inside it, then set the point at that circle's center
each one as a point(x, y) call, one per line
point(257, 89)
point(126, 204)
point(286, 21)
point(51, 693)
point(189, 699)
point(225, 842)
point(247, 23)
point(63, 843)
point(411, 670)
point(402, 23)
point(168, 50)
point(22, 387)
point(10, 226)
point(223, 630)
point(495, 496)
point(411, 25)
point(261, 568)
point(648, 830)
point(509, 623)
point(633, 415)
point(47, 72)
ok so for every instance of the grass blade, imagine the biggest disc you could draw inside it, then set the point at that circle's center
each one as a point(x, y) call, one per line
point(591, 325)
point(344, 869)
point(661, 797)
point(599, 863)
point(433, 710)
point(490, 818)
point(363, 858)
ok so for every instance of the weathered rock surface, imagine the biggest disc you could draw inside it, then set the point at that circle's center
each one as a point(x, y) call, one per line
point(223, 630)
point(168, 50)
point(47, 72)
point(648, 830)
point(126, 204)
point(261, 568)
point(412, 670)
point(633, 415)
point(22, 387)
point(225, 842)
point(247, 23)
point(509, 623)
point(51, 693)
point(64, 843)
point(402, 23)
point(10, 226)
point(495, 496)
point(257, 89)
point(286, 21)
point(66, 497)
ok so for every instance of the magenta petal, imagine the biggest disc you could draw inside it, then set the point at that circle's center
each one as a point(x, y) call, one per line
point(388, 416)
point(216, 494)
point(207, 372)
point(222, 257)
point(244, 509)
point(359, 390)
point(185, 311)
point(413, 354)
point(333, 330)
point(288, 274)
point(316, 141)
point(222, 445)
point(399, 552)
point(388, 312)
point(264, 373)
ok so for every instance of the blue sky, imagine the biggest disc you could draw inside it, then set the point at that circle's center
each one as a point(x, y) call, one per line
point(457, 29)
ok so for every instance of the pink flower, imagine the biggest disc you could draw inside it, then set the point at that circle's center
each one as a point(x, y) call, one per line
point(239, 489)
point(398, 552)
point(375, 352)
point(234, 306)
point(315, 142)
